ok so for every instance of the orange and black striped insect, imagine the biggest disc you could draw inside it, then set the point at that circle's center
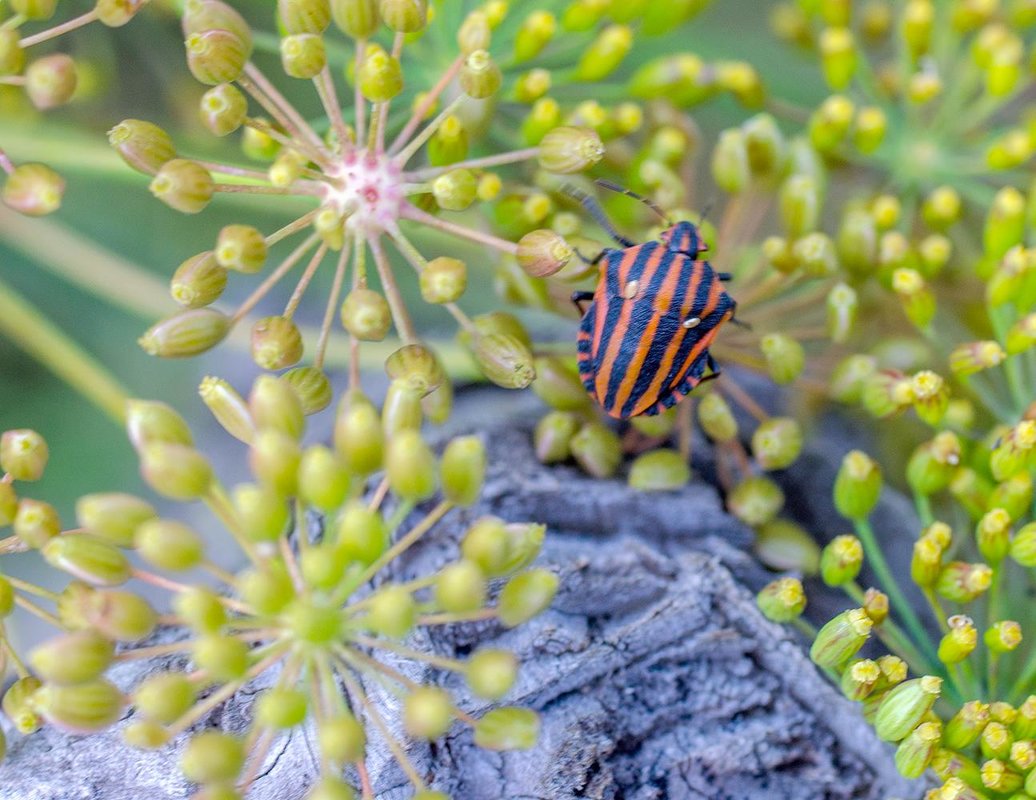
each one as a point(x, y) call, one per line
point(645, 335)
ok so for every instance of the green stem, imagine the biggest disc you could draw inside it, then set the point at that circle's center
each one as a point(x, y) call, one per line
point(24, 325)
point(900, 604)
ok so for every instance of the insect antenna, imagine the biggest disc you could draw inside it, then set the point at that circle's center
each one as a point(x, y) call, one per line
point(595, 211)
point(614, 187)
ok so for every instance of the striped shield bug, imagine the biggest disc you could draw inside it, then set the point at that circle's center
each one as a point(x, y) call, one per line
point(645, 335)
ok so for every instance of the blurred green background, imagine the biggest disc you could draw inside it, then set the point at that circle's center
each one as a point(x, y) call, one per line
point(139, 71)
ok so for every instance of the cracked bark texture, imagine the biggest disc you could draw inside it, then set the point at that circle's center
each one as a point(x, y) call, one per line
point(654, 674)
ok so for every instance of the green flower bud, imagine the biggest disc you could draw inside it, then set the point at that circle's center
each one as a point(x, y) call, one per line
point(1015, 451)
point(659, 471)
point(960, 641)
point(860, 678)
point(72, 658)
point(903, 708)
point(281, 708)
point(474, 33)
point(415, 367)
point(143, 145)
point(1014, 495)
point(782, 600)
point(1023, 545)
point(869, 129)
point(993, 535)
point(50, 81)
point(92, 560)
point(508, 728)
point(730, 165)
point(427, 712)
point(830, 123)
point(480, 77)
point(785, 357)
point(542, 253)
point(212, 757)
point(1003, 636)
point(553, 436)
point(223, 110)
point(276, 343)
point(183, 185)
point(967, 359)
point(491, 673)
point(597, 449)
point(999, 777)
point(241, 248)
point(543, 117)
point(358, 436)
point(525, 596)
point(187, 333)
point(1005, 223)
point(201, 15)
point(532, 85)
point(342, 738)
point(33, 189)
point(303, 55)
point(6, 597)
point(145, 735)
point(783, 545)
point(915, 752)
point(228, 407)
point(841, 560)
point(176, 471)
point(463, 470)
point(223, 658)
point(18, 704)
point(504, 359)
point(837, 57)
point(942, 207)
point(455, 190)
point(965, 727)
point(322, 566)
point(113, 516)
point(961, 582)
point(814, 253)
point(605, 53)
point(276, 406)
point(217, 56)
point(12, 54)
point(933, 463)
point(857, 485)
point(449, 144)
point(165, 697)
point(268, 589)
point(323, 480)
point(118, 615)
point(755, 500)
point(304, 16)
point(917, 23)
point(23, 454)
point(716, 418)
point(405, 16)
point(1022, 335)
point(150, 421)
point(274, 459)
point(380, 77)
point(460, 587)
point(366, 315)
point(357, 18)
point(443, 280)
point(200, 609)
point(170, 545)
point(391, 612)
point(34, 9)
point(535, 33)
point(841, 638)
point(199, 281)
point(776, 443)
point(8, 504)
point(313, 622)
point(971, 491)
point(80, 709)
point(799, 205)
point(410, 466)
point(363, 535)
point(1024, 724)
point(569, 150)
point(995, 741)
point(764, 143)
point(36, 523)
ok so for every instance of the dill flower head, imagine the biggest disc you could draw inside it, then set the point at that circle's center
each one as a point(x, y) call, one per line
point(49, 81)
point(395, 155)
point(317, 623)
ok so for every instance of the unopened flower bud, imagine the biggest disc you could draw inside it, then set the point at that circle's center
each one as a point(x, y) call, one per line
point(480, 77)
point(961, 582)
point(223, 658)
point(212, 757)
point(785, 357)
point(776, 443)
point(905, 706)
point(323, 479)
point(200, 609)
point(357, 18)
point(18, 704)
point(960, 641)
point(1003, 636)
point(149, 421)
point(366, 315)
point(276, 343)
point(717, 418)
point(1023, 545)
point(312, 386)
point(199, 281)
point(915, 752)
point(72, 658)
point(427, 712)
point(443, 280)
point(410, 466)
point(755, 500)
point(341, 738)
point(869, 129)
point(460, 587)
point(164, 697)
point(933, 463)
point(535, 33)
point(799, 205)
point(217, 56)
point(965, 727)
point(176, 471)
point(50, 81)
point(303, 55)
point(552, 439)
point(841, 560)
point(995, 741)
point(183, 185)
point(542, 253)
point(859, 678)
point(993, 535)
point(1005, 223)
point(23, 454)
point(659, 471)
point(228, 407)
point(358, 436)
point(241, 248)
point(33, 189)
point(569, 150)
point(525, 596)
point(463, 470)
point(275, 405)
point(830, 123)
point(782, 600)
point(504, 359)
point(974, 357)
point(36, 523)
point(169, 545)
point(931, 396)
point(380, 77)
point(274, 459)
point(80, 709)
point(92, 560)
point(12, 54)
point(36, 10)
point(731, 168)
point(186, 334)
point(837, 56)
point(857, 485)
point(391, 612)
point(508, 728)
point(840, 638)
point(223, 110)
point(143, 145)
point(304, 16)
point(597, 449)
point(114, 517)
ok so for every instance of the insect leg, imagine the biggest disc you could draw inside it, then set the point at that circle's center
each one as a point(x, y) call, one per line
point(595, 211)
point(714, 370)
point(581, 297)
point(614, 187)
point(593, 262)
point(724, 276)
